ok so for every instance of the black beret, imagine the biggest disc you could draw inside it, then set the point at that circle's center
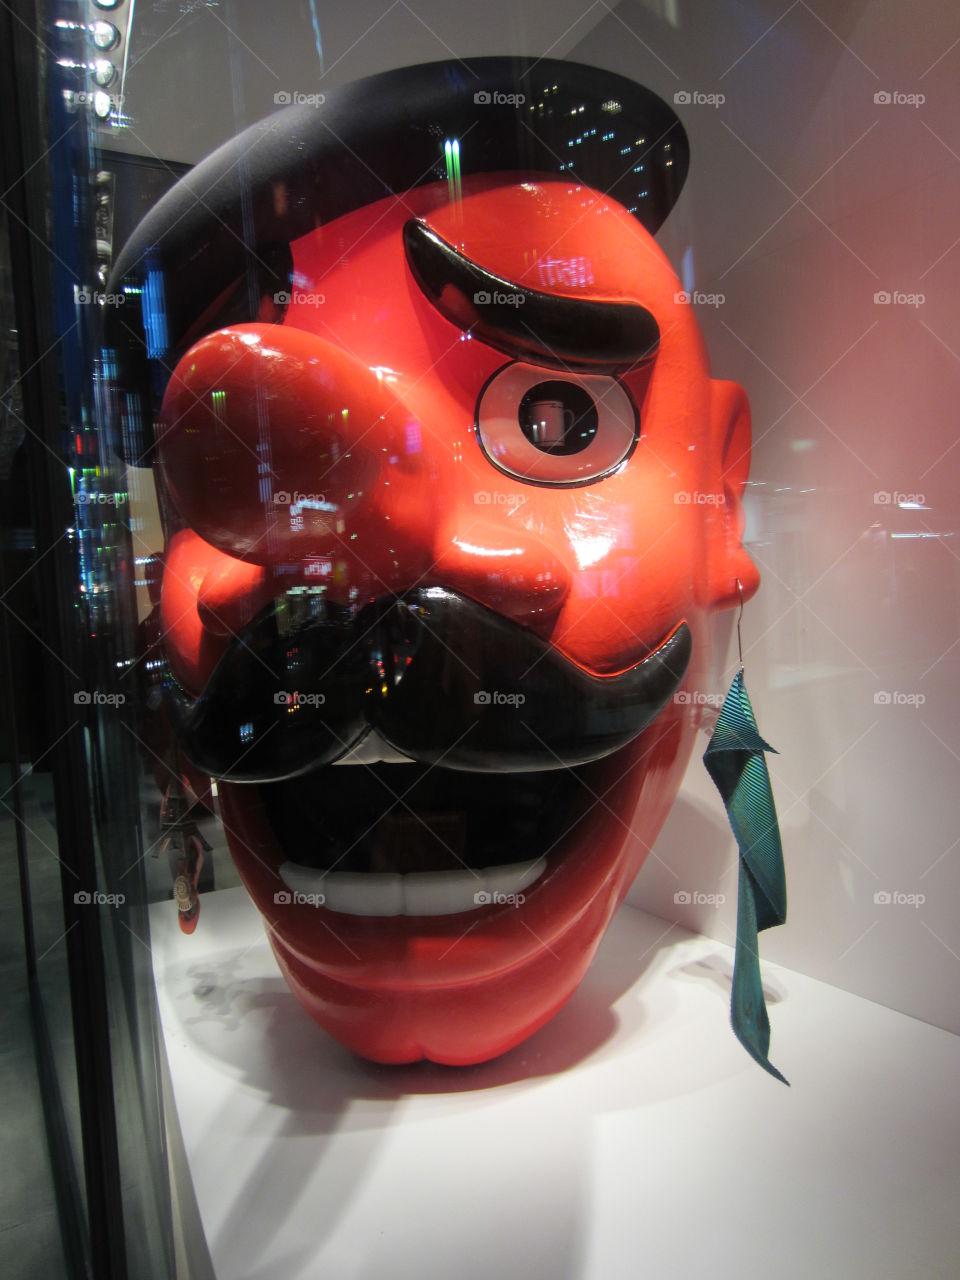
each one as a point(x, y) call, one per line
point(308, 164)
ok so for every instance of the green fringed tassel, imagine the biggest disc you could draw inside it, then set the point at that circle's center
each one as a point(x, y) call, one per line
point(734, 760)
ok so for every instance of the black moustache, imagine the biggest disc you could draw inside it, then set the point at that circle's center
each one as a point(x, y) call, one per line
point(440, 678)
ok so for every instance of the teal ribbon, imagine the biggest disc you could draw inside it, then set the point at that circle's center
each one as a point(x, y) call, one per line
point(734, 760)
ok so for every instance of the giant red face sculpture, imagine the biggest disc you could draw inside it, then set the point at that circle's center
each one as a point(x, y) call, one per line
point(451, 513)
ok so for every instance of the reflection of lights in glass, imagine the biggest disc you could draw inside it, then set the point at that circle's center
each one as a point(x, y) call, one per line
point(565, 271)
point(154, 315)
point(451, 156)
point(921, 535)
point(474, 550)
point(102, 104)
point(590, 548)
point(413, 437)
point(104, 72)
point(108, 4)
point(612, 106)
point(104, 35)
point(913, 506)
point(317, 567)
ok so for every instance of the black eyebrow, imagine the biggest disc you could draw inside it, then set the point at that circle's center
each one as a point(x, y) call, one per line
point(560, 332)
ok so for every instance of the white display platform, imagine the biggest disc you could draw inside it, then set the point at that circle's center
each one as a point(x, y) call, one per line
point(631, 1137)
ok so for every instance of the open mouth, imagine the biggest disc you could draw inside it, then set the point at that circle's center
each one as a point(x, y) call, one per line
point(440, 760)
point(448, 807)
point(390, 839)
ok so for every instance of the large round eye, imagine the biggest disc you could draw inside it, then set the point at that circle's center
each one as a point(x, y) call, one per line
point(558, 429)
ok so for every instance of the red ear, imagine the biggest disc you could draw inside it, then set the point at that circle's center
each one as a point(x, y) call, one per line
point(730, 438)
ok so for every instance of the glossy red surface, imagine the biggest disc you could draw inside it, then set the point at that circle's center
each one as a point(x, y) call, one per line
point(363, 401)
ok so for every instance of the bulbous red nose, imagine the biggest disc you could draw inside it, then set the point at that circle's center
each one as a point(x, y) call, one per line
point(279, 448)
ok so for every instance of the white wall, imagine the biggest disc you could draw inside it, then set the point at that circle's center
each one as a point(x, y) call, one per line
point(805, 198)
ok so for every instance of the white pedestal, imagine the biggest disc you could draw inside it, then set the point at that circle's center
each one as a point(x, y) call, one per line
point(631, 1137)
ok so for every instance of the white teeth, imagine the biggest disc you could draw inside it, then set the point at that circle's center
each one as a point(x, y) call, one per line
point(341, 889)
point(418, 893)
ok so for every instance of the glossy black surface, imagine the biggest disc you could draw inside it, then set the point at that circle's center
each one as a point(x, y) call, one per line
point(421, 817)
point(441, 679)
point(544, 328)
point(386, 134)
point(581, 428)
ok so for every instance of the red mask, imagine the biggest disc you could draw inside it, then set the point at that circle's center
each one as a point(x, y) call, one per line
point(443, 573)
point(448, 512)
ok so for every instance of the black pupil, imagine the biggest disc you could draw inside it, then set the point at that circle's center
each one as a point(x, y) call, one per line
point(558, 417)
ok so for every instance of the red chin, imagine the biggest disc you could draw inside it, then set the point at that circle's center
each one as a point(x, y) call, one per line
point(460, 989)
